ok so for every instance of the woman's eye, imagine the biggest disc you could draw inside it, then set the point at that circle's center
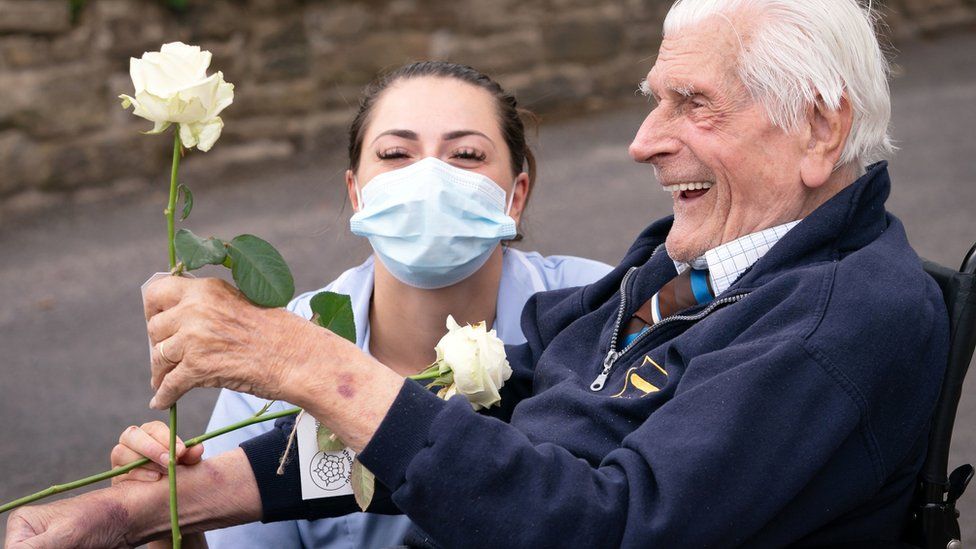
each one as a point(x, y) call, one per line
point(469, 154)
point(391, 154)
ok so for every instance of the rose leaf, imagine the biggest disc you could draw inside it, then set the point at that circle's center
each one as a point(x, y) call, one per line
point(333, 312)
point(363, 484)
point(260, 272)
point(195, 252)
point(327, 440)
point(187, 201)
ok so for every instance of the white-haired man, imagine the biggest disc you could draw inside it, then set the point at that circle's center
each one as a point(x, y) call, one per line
point(759, 371)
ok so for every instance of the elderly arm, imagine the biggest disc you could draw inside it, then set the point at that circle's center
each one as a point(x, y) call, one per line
point(213, 337)
point(443, 460)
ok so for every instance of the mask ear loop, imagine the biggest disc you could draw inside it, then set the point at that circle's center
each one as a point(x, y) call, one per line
point(359, 192)
point(511, 199)
point(508, 211)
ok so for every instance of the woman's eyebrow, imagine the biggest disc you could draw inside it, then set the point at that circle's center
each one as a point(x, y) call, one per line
point(405, 134)
point(458, 134)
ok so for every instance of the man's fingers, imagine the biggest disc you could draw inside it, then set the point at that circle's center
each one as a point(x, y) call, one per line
point(163, 324)
point(18, 532)
point(43, 541)
point(173, 386)
point(165, 356)
point(163, 294)
point(21, 534)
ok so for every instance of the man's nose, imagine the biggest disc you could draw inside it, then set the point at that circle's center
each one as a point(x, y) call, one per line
point(655, 139)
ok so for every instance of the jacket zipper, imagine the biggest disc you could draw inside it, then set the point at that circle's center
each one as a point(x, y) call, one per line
point(613, 354)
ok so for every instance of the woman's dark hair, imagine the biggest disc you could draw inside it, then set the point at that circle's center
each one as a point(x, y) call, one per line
point(509, 114)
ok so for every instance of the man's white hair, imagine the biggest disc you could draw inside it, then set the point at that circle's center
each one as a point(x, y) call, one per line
point(797, 52)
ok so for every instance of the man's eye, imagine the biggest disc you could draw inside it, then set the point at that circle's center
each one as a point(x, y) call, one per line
point(469, 154)
point(391, 154)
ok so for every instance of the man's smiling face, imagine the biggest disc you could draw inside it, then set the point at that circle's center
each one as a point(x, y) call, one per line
point(730, 171)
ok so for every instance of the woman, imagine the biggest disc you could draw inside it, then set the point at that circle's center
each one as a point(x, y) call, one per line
point(439, 173)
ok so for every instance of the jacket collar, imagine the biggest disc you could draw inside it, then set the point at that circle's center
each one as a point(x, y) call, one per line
point(850, 220)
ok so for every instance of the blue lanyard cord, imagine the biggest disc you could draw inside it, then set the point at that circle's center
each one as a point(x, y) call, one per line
point(699, 286)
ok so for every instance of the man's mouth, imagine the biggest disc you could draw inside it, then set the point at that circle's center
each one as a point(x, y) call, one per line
point(689, 190)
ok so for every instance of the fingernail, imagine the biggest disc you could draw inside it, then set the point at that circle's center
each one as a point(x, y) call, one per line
point(152, 403)
point(154, 476)
point(164, 458)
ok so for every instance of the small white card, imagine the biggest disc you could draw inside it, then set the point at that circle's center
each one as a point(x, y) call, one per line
point(142, 289)
point(324, 474)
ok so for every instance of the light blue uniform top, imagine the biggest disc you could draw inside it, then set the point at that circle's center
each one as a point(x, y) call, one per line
point(523, 274)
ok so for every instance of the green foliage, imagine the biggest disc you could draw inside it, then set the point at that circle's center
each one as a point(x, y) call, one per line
point(333, 312)
point(363, 484)
point(187, 201)
point(74, 8)
point(260, 271)
point(195, 252)
point(327, 440)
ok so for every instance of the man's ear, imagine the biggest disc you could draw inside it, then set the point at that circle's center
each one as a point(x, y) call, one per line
point(829, 130)
point(351, 190)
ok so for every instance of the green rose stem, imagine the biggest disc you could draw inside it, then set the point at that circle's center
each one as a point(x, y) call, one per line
point(59, 488)
point(174, 515)
point(258, 417)
point(433, 374)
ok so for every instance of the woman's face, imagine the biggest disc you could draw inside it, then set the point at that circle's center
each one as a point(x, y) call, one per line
point(445, 118)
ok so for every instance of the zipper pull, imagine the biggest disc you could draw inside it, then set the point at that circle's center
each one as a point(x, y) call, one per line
point(601, 379)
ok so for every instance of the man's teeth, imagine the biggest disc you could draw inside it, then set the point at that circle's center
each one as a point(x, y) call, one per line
point(688, 187)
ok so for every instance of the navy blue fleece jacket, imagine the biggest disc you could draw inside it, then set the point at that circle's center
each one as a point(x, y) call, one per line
point(791, 410)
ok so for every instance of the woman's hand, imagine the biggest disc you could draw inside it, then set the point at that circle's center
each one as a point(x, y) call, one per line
point(206, 334)
point(150, 440)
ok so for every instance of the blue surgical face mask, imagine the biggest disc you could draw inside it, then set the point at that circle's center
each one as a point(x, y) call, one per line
point(432, 224)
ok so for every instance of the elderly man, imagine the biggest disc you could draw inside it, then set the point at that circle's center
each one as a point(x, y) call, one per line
point(758, 371)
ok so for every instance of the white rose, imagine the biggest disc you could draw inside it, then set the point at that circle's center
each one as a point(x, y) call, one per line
point(477, 359)
point(172, 87)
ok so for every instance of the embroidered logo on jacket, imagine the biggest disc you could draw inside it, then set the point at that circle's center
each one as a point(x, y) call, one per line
point(643, 380)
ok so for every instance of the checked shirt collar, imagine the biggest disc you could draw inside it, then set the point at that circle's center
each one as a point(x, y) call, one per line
point(726, 262)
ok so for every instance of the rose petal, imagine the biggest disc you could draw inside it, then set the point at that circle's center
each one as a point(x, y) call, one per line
point(190, 59)
point(452, 324)
point(187, 137)
point(209, 133)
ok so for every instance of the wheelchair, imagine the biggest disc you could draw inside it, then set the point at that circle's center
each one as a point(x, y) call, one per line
point(934, 519)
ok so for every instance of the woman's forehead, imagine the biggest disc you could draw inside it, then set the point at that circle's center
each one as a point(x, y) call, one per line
point(434, 106)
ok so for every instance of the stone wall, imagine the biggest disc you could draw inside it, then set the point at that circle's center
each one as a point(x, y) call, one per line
point(298, 67)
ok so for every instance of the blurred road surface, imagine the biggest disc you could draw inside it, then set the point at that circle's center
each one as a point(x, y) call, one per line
point(72, 336)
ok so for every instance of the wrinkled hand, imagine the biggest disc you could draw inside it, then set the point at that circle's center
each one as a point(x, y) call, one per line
point(206, 334)
point(88, 521)
point(150, 440)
